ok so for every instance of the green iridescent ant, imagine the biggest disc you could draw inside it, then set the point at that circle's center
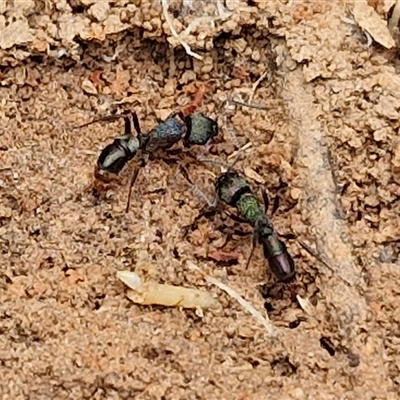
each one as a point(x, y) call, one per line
point(249, 208)
point(234, 190)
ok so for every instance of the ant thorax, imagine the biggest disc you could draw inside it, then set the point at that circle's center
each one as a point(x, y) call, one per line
point(250, 209)
point(163, 135)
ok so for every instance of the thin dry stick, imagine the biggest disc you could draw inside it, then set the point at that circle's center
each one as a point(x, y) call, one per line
point(321, 258)
point(263, 320)
point(187, 48)
point(235, 154)
point(256, 84)
point(243, 104)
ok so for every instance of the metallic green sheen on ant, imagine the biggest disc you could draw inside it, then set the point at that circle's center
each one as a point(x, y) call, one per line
point(234, 190)
point(200, 130)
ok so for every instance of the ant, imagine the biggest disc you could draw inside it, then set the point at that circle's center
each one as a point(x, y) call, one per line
point(234, 190)
point(191, 129)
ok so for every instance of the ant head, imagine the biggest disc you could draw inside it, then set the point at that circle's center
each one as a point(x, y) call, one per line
point(200, 129)
point(230, 186)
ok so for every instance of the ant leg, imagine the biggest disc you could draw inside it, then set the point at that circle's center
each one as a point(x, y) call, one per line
point(275, 205)
point(290, 236)
point(129, 118)
point(253, 246)
point(265, 199)
point(136, 123)
point(240, 220)
point(133, 179)
point(204, 212)
point(153, 112)
point(236, 218)
point(132, 182)
point(127, 126)
point(177, 114)
point(211, 204)
point(107, 118)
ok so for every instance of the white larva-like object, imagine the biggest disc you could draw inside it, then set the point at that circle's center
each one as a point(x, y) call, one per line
point(148, 293)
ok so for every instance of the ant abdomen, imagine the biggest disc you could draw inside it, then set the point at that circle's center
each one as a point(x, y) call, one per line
point(114, 156)
point(280, 261)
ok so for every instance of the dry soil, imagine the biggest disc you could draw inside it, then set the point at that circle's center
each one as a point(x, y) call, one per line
point(324, 142)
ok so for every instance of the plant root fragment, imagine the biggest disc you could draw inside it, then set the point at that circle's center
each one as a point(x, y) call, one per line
point(187, 48)
point(263, 320)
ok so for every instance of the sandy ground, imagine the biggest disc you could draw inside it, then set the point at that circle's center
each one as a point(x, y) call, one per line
point(325, 143)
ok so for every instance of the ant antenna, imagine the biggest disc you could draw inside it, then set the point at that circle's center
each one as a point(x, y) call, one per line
point(231, 133)
point(228, 166)
point(253, 246)
point(196, 190)
point(108, 118)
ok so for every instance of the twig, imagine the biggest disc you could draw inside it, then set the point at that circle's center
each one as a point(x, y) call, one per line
point(321, 258)
point(231, 133)
point(187, 48)
point(256, 84)
point(223, 15)
point(263, 320)
point(243, 104)
point(241, 150)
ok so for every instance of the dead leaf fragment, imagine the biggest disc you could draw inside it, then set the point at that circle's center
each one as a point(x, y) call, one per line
point(253, 175)
point(223, 256)
point(369, 20)
point(306, 305)
point(121, 81)
point(88, 87)
point(95, 77)
point(18, 32)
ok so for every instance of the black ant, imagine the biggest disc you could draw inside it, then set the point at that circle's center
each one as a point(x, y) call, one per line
point(191, 129)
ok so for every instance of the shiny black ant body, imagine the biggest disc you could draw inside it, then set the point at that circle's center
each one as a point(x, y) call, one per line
point(233, 189)
point(192, 129)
